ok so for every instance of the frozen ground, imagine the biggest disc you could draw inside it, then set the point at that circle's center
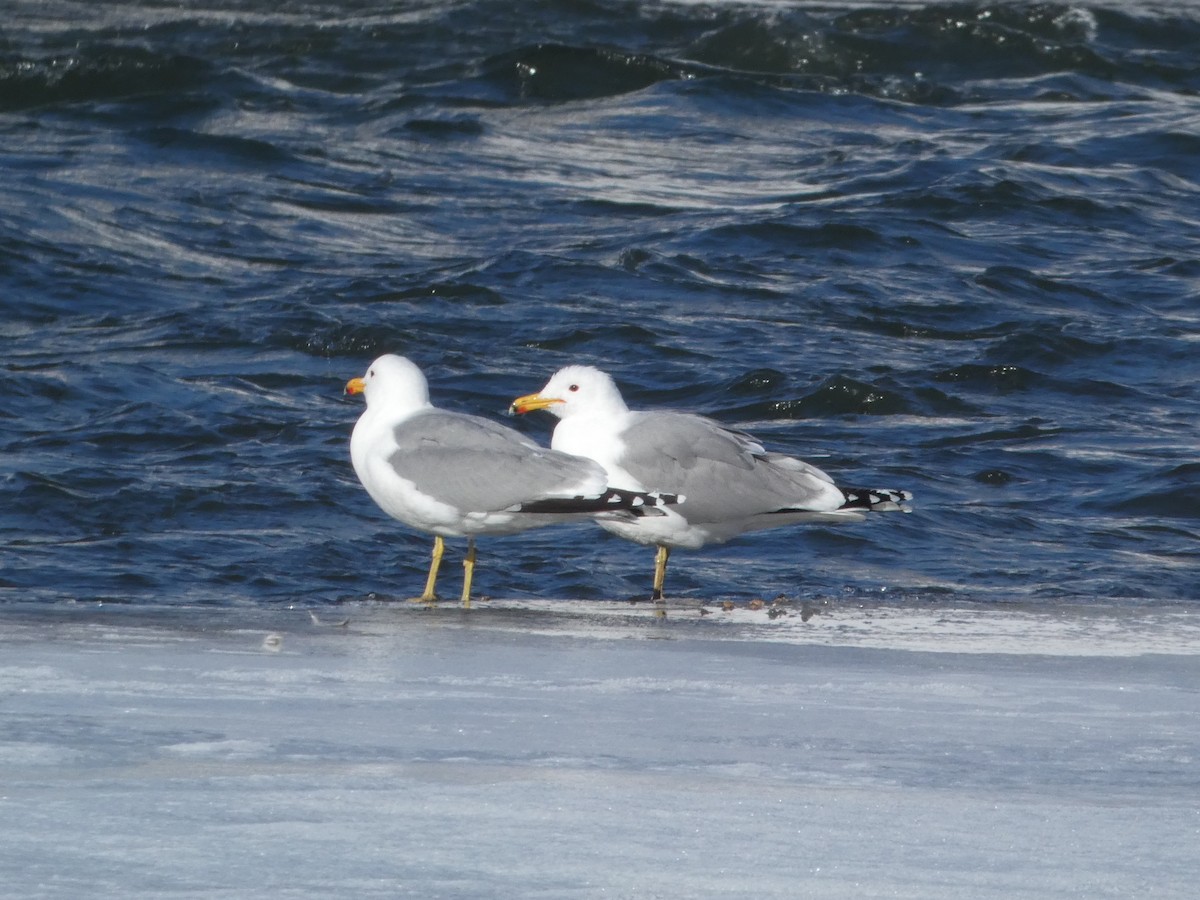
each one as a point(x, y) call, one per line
point(596, 750)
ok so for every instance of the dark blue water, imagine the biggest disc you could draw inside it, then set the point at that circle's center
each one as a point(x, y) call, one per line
point(953, 248)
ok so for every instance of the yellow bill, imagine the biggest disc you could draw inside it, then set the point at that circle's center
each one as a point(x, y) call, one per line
point(530, 402)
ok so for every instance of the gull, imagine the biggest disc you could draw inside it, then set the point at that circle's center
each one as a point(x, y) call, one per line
point(727, 482)
point(457, 475)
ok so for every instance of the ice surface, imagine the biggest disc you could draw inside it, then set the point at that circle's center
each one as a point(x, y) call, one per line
point(597, 750)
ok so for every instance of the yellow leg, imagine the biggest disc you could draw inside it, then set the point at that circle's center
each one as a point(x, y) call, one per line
point(660, 571)
point(439, 547)
point(468, 573)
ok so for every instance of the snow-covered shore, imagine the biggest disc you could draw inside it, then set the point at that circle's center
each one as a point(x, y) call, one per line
point(534, 749)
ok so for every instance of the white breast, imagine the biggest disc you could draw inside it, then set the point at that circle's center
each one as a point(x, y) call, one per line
point(596, 439)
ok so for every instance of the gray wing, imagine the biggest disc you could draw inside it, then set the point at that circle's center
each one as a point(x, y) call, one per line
point(476, 465)
point(723, 474)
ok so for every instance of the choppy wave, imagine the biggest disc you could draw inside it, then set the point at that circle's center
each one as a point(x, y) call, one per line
point(949, 246)
point(944, 53)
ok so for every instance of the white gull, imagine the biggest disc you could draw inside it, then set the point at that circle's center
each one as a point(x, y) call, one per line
point(726, 481)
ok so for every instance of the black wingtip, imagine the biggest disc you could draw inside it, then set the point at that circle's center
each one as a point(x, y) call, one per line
point(638, 503)
point(875, 499)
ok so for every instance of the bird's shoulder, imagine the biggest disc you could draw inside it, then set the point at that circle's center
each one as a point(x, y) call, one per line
point(687, 438)
point(443, 429)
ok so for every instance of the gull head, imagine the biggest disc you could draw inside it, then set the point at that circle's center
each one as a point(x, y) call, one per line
point(392, 381)
point(575, 390)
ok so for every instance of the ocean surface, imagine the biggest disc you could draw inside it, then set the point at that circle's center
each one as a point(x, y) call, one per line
point(947, 247)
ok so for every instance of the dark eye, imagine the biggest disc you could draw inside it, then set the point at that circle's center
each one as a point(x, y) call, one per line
point(573, 388)
point(371, 374)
